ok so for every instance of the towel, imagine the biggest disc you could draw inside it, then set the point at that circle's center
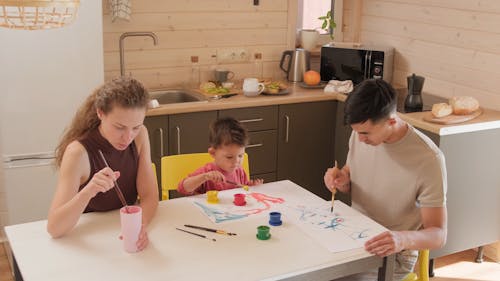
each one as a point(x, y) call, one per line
point(120, 9)
point(336, 86)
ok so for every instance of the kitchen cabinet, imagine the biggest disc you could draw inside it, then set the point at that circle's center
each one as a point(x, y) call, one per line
point(473, 195)
point(177, 133)
point(306, 144)
point(262, 124)
point(158, 139)
point(341, 147)
point(188, 132)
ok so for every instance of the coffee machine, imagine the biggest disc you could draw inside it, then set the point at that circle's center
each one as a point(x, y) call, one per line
point(413, 101)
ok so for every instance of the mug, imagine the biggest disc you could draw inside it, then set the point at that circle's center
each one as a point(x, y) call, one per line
point(222, 75)
point(252, 87)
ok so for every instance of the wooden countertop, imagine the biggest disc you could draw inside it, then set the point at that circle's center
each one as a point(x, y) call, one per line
point(489, 119)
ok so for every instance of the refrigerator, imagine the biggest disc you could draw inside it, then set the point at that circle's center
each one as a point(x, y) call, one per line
point(44, 76)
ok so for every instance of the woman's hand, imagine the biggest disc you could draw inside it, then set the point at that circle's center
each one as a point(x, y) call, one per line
point(102, 181)
point(214, 176)
point(143, 240)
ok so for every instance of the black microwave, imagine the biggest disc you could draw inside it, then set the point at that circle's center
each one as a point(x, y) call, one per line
point(356, 62)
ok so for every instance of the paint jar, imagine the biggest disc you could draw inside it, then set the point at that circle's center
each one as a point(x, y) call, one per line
point(275, 218)
point(263, 232)
point(212, 197)
point(239, 199)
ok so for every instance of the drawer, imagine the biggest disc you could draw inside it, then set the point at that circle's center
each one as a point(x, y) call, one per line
point(262, 152)
point(254, 118)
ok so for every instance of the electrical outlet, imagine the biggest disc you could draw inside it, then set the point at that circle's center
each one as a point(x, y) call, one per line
point(232, 55)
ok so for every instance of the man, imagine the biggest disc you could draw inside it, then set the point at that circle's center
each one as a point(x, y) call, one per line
point(396, 176)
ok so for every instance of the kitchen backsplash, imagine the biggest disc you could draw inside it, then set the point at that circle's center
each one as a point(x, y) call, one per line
point(208, 29)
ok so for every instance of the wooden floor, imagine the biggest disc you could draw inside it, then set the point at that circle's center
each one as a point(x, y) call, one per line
point(456, 267)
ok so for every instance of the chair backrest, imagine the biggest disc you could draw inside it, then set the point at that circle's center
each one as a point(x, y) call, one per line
point(423, 268)
point(174, 168)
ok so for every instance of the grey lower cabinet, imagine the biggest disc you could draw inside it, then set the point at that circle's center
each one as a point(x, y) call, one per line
point(177, 133)
point(473, 195)
point(158, 138)
point(342, 135)
point(188, 132)
point(306, 144)
point(292, 141)
point(262, 125)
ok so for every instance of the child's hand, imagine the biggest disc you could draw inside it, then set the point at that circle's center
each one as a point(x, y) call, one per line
point(255, 182)
point(214, 176)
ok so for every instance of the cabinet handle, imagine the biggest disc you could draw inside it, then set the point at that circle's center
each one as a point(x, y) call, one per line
point(161, 142)
point(287, 127)
point(254, 145)
point(178, 131)
point(251, 120)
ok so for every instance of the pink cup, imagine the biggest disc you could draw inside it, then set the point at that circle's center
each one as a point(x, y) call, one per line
point(131, 224)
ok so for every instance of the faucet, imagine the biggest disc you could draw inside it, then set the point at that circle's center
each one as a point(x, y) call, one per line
point(122, 48)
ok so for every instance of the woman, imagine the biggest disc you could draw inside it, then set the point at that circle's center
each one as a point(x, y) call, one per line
point(111, 121)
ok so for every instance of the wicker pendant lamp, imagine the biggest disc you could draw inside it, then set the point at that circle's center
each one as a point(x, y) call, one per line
point(37, 14)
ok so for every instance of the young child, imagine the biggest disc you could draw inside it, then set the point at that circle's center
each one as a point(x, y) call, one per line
point(227, 146)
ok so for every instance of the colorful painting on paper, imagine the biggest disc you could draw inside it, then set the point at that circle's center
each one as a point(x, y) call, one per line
point(340, 230)
point(225, 210)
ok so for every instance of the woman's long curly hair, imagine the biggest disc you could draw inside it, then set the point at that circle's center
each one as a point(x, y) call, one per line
point(125, 92)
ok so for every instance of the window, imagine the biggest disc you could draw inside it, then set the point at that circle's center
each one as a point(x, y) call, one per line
point(310, 10)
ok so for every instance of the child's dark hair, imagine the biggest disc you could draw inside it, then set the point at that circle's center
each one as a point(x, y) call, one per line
point(372, 99)
point(226, 131)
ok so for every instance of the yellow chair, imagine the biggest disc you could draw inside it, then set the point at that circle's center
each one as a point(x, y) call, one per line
point(423, 268)
point(174, 168)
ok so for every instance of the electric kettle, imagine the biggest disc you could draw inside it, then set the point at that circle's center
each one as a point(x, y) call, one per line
point(298, 64)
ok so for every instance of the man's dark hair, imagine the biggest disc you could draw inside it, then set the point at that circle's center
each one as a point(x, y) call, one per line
point(226, 131)
point(372, 99)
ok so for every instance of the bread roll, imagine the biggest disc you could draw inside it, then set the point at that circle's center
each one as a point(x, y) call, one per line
point(464, 105)
point(441, 110)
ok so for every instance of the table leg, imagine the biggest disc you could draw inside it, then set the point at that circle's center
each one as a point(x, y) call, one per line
point(17, 273)
point(479, 257)
point(386, 272)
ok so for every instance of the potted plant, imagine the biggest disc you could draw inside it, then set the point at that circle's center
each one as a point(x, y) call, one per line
point(328, 23)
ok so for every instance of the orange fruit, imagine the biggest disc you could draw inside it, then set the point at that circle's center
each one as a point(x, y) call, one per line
point(312, 78)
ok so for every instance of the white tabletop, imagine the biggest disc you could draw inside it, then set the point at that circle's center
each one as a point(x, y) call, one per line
point(92, 251)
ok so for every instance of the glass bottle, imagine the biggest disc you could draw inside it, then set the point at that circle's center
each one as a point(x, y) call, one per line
point(257, 68)
point(194, 79)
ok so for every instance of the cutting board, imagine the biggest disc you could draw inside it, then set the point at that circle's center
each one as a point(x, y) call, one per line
point(451, 119)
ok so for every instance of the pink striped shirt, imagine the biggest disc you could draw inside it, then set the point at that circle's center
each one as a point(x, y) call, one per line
point(238, 176)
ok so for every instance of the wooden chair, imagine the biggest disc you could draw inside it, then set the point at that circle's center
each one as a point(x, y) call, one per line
point(423, 268)
point(174, 168)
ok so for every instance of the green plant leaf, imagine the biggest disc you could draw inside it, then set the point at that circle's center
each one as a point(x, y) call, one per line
point(323, 26)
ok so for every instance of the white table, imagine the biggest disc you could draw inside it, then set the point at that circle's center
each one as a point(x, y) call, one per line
point(92, 251)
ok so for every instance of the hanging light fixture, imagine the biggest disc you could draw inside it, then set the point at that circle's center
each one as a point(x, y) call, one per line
point(37, 14)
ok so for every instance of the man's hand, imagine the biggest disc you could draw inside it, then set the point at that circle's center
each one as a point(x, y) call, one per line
point(386, 243)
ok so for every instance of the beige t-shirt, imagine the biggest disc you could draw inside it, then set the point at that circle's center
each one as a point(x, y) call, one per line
point(389, 182)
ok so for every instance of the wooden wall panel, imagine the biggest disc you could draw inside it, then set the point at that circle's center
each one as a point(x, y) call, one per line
point(454, 44)
point(200, 28)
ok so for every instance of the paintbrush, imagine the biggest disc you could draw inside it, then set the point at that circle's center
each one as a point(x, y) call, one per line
point(197, 234)
point(245, 187)
point(117, 188)
point(334, 190)
point(210, 229)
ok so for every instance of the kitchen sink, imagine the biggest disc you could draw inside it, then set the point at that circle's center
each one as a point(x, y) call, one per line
point(176, 96)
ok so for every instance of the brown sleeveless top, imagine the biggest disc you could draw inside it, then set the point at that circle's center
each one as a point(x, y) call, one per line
point(126, 162)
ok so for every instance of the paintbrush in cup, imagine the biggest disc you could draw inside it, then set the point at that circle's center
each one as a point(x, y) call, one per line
point(334, 190)
point(117, 188)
